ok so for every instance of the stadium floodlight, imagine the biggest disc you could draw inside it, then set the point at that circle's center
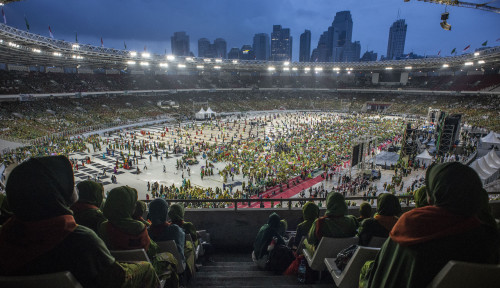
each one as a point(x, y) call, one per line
point(318, 69)
point(164, 65)
point(286, 69)
point(189, 59)
point(144, 64)
point(336, 68)
point(130, 62)
point(469, 63)
point(133, 54)
point(388, 68)
point(57, 54)
point(181, 66)
point(170, 57)
point(446, 65)
point(146, 55)
point(480, 62)
point(408, 68)
point(271, 68)
point(200, 66)
point(286, 63)
point(216, 67)
point(13, 45)
point(218, 60)
point(307, 69)
point(235, 61)
point(77, 57)
point(348, 72)
point(295, 68)
point(37, 50)
point(75, 46)
point(207, 60)
point(476, 53)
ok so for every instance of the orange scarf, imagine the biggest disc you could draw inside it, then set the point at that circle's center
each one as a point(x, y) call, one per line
point(386, 221)
point(22, 242)
point(122, 241)
point(428, 223)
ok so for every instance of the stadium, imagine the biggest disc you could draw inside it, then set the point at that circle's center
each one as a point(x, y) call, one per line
point(232, 141)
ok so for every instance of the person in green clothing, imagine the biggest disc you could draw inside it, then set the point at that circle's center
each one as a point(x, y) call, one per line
point(388, 210)
point(264, 237)
point(86, 210)
point(455, 226)
point(176, 215)
point(336, 223)
point(420, 196)
point(122, 232)
point(310, 212)
point(42, 237)
point(365, 212)
point(140, 210)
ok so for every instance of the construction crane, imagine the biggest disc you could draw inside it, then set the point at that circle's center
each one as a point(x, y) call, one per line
point(483, 6)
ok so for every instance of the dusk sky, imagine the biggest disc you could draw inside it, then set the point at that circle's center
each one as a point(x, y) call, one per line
point(151, 23)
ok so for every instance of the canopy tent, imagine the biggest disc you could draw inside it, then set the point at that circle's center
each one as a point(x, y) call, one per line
point(386, 158)
point(201, 114)
point(210, 112)
point(425, 158)
point(482, 175)
point(488, 143)
point(487, 167)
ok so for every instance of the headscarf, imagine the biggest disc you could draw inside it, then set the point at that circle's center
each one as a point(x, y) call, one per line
point(283, 227)
point(266, 234)
point(90, 192)
point(420, 196)
point(365, 210)
point(176, 213)
point(140, 208)
point(119, 207)
point(335, 205)
point(310, 211)
point(158, 210)
point(41, 188)
point(388, 205)
point(40, 192)
point(455, 187)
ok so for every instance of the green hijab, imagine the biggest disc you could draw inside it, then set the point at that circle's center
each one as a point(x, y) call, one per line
point(119, 207)
point(90, 192)
point(420, 196)
point(158, 210)
point(388, 205)
point(310, 211)
point(41, 188)
point(335, 205)
point(176, 212)
point(365, 210)
point(283, 227)
point(455, 187)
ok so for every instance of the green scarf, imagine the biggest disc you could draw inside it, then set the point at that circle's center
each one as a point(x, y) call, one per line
point(119, 207)
point(176, 213)
point(388, 205)
point(90, 192)
point(335, 205)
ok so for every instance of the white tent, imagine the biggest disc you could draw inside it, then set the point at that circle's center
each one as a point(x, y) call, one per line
point(386, 158)
point(210, 112)
point(201, 114)
point(487, 167)
point(488, 143)
point(425, 158)
point(482, 175)
point(492, 159)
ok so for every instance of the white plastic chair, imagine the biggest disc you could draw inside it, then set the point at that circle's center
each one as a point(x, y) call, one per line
point(169, 246)
point(456, 274)
point(134, 255)
point(327, 248)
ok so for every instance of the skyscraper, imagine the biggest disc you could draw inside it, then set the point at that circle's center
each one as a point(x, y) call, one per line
point(305, 46)
point(397, 38)
point(261, 46)
point(203, 47)
point(180, 44)
point(215, 50)
point(234, 53)
point(281, 44)
point(369, 56)
point(220, 48)
point(352, 51)
point(247, 53)
point(342, 34)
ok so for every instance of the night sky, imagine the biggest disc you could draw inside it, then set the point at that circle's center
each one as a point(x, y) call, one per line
point(151, 23)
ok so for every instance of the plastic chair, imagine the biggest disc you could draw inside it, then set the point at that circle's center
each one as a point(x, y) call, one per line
point(457, 274)
point(377, 242)
point(134, 255)
point(327, 248)
point(349, 277)
point(60, 279)
point(169, 246)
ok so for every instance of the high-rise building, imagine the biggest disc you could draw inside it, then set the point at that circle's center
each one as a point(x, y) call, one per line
point(220, 48)
point(305, 46)
point(261, 46)
point(247, 53)
point(180, 44)
point(369, 56)
point(234, 53)
point(281, 44)
point(352, 51)
point(397, 38)
point(204, 47)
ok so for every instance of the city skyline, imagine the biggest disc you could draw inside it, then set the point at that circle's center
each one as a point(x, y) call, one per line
point(151, 23)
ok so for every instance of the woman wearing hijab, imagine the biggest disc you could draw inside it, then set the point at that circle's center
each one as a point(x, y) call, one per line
point(160, 229)
point(140, 209)
point(266, 234)
point(310, 212)
point(42, 237)
point(388, 208)
point(336, 223)
point(426, 238)
point(86, 210)
point(176, 215)
point(365, 212)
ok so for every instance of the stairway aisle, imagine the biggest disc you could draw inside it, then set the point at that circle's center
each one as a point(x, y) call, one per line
point(238, 270)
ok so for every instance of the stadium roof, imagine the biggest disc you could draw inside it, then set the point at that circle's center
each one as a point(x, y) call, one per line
point(18, 47)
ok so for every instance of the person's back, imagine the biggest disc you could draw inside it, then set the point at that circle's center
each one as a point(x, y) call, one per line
point(86, 211)
point(388, 208)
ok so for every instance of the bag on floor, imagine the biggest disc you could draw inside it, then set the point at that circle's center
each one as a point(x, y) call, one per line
point(279, 259)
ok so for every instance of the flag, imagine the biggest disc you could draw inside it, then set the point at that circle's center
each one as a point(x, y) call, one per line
point(466, 48)
point(453, 51)
point(102, 43)
point(439, 53)
point(27, 24)
point(144, 47)
point(50, 33)
point(76, 37)
point(125, 45)
point(485, 43)
point(4, 18)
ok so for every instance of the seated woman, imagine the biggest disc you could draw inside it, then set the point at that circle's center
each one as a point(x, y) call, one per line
point(86, 210)
point(455, 226)
point(176, 215)
point(335, 224)
point(140, 209)
point(365, 212)
point(310, 212)
point(388, 208)
point(121, 232)
point(266, 234)
point(42, 237)
point(160, 230)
